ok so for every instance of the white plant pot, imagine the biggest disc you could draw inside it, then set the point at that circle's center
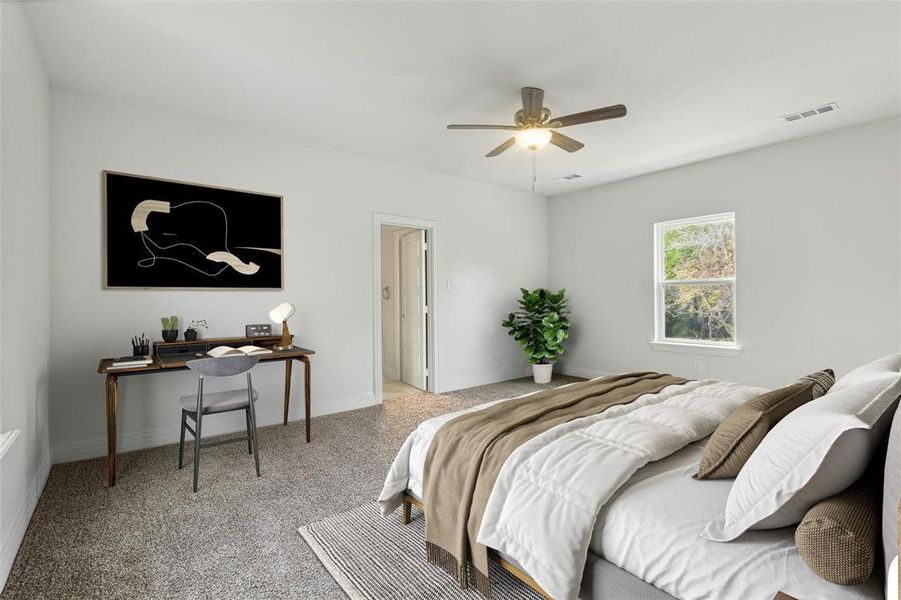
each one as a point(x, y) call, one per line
point(542, 373)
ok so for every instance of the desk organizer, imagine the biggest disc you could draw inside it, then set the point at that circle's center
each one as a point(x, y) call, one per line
point(180, 349)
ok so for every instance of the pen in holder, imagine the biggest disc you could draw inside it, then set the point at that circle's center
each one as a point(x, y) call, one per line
point(140, 346)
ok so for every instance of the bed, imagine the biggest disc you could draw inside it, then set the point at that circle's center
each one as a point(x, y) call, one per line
point(644, 543)
point(650, 529)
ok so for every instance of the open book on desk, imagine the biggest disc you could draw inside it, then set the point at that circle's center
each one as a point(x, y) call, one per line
point(243, 350)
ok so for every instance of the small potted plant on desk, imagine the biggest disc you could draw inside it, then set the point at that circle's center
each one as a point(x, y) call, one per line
point(191, 331)
point(541, 327)
point(170, 328)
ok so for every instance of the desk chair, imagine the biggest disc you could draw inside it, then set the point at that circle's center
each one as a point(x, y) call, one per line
point(201, 405)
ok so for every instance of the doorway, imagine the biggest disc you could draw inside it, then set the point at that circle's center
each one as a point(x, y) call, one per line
point(405, 311)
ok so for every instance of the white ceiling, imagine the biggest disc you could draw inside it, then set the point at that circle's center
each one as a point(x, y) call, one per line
point(383, 79)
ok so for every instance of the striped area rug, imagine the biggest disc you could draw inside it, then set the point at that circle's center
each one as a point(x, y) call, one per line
point(374, 557)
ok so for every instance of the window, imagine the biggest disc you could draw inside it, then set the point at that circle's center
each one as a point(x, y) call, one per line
point(694, 277)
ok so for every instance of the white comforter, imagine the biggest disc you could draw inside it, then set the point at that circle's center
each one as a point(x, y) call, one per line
point(543, 506)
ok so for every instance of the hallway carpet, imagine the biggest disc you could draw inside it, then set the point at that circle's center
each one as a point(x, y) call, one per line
point(150, 537)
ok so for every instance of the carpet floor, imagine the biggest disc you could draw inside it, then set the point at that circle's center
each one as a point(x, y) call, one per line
point(150, 537)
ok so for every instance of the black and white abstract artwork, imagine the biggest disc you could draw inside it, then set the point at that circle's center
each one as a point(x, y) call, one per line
point(169, 234)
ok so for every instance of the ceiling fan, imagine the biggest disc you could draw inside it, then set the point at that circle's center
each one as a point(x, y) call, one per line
point(535, 128)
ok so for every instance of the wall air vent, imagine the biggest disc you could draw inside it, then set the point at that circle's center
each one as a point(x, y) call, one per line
point(568, 177)
point(810, 112)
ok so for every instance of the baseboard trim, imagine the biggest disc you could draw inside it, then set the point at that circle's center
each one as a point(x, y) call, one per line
point(229, 423)
point(483, 379)
point(587, 372)
point(10, 546)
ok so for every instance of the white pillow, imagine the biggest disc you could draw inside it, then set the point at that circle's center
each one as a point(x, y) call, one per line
point(813, 453)
point(891, 581)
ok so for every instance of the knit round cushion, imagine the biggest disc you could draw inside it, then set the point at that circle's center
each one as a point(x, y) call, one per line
point(838, 537)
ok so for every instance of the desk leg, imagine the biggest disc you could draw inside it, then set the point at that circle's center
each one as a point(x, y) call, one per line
point(112, 400)
point(306, 393)
point(288, 364)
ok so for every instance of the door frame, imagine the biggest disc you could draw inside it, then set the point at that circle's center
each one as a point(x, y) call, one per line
point(431, 267)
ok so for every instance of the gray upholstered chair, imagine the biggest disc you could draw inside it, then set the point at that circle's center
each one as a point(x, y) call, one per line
point(202, 404)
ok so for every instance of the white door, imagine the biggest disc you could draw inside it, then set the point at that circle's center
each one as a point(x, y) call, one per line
point(413, 309)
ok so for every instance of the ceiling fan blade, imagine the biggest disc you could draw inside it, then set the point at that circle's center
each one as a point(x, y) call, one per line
point(589, 116)
point(565, 142)
point(503, 147)
point(506, 127)
point(532, 100)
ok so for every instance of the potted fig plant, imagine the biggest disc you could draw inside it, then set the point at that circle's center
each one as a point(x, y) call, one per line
point(170, 328)
point(540, 326)
point(191, 331)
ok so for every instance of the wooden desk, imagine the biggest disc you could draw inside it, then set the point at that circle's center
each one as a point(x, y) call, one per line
point(177, 362)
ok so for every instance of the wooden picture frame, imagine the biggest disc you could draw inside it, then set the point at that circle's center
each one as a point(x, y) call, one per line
point(220, 238)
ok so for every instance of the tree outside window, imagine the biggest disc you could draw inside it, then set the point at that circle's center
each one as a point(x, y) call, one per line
point(695, 280)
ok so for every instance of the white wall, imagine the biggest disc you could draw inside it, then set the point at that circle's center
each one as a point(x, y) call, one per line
point(390, 366)
point(330, 197)
point(25, 268)
point(817, 257)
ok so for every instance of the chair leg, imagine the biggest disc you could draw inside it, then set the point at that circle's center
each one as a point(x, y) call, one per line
point(249, 432)
point(181, 442)
point(197, 421)
point(253, 423)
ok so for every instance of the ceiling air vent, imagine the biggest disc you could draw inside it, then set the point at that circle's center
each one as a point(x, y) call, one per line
point(810, 112)
point(568, 177)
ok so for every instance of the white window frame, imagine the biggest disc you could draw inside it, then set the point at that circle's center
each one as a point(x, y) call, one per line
point(660, 341)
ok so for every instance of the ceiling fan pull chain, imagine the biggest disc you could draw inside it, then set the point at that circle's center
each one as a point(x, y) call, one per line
point(534, 171)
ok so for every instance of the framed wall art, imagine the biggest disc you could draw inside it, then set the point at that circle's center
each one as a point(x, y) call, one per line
point(171, 234)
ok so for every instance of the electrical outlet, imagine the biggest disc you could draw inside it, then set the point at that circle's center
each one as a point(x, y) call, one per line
point(698, 366)
point(450, 285)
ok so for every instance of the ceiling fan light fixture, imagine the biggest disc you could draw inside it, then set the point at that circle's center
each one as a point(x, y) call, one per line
point(533, 128)
point(533, 138)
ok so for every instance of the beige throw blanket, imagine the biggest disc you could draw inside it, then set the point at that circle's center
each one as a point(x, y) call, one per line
point(467, 453)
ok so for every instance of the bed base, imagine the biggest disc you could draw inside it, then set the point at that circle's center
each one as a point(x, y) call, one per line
point(410, 502)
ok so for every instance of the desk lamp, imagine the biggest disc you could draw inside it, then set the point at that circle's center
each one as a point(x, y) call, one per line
point(281, 314)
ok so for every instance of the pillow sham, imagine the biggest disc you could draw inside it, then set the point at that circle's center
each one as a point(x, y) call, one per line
point(891, 494)
point(733, 441)
point(838, 538)
point(815, 452)
point(892, 580)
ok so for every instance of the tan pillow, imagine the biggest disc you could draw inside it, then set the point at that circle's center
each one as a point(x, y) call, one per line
point(838, 538)
point(730, 446)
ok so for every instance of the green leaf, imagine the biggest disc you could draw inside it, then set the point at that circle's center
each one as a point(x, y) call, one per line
point(540, 325)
